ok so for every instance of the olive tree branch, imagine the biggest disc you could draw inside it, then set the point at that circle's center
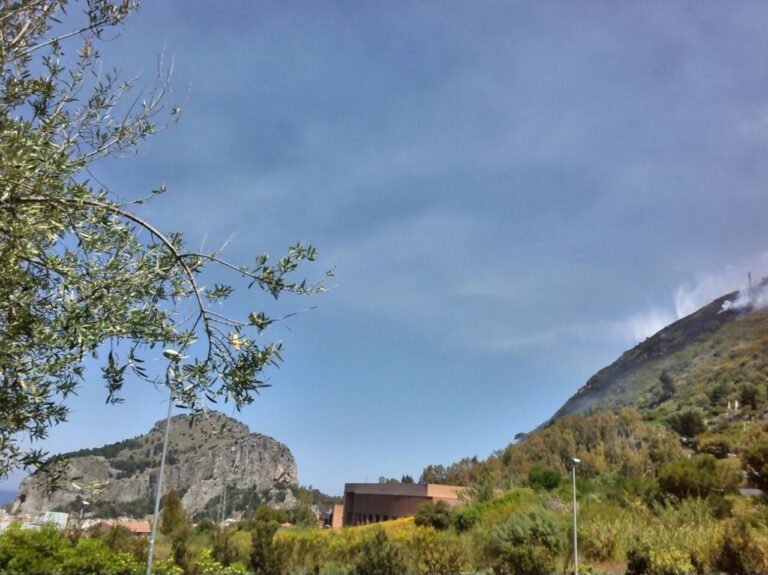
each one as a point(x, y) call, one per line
point(164, 240)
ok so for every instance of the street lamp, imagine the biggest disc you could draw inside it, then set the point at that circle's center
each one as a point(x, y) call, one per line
point(172, 356)
point(83, 504)
point(575, 462)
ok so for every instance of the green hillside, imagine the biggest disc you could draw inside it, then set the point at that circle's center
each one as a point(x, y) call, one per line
point(700, 385)
point(705, 360)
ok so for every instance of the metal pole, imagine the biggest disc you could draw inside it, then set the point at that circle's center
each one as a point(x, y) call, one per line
point(575, 548)
point(162, 468)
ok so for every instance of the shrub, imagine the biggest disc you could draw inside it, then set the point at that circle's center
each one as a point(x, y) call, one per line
point(205, 564)
point(465, 518)
point(741, 550)
point(527, 543)
point(542, 477)
point(697, 476)
point(435, 514)
point(24, 551)
point(599, 541)
point(88, 557)
point(644, 559)
point(755, 460)
point(266, 558)
point(378, 555)
point(438, 553)
point(689, 423)
point(231, 545)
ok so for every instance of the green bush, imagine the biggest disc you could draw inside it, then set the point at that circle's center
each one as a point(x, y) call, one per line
point(438, 553)
point(88, 557)
point(742, 549)
point(231, 545)
point(437, 514)
point(755, 460)
point(465, 518)
point(644, 559)
point(267, 557)
point(599, 541)
point(25, 551)
point(543, 477)
point(698, 476)
point(689, 423)
point(378, 555)
point(205, 564)
point(528, 543)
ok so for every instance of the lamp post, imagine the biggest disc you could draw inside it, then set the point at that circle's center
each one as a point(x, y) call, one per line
point(83, 503)
point(575, 462)
point(173, 357)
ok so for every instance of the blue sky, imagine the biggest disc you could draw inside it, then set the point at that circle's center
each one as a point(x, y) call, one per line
point(511, 194)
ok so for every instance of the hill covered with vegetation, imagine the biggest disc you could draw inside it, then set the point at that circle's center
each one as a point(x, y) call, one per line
point(698, 386)
point(707, 360)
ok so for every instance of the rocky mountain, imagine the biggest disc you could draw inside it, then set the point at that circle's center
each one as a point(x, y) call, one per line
point(204, 455)
point(712, 357)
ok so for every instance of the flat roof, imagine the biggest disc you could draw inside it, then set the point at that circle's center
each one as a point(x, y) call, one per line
point(406, 489)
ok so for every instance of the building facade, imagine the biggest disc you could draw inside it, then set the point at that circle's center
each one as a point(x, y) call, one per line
point(366, 503)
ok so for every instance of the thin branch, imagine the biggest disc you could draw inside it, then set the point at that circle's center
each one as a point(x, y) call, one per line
point(203, 315)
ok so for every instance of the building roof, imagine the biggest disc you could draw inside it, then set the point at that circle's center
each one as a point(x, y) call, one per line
point(136, 526)
point(433, 490)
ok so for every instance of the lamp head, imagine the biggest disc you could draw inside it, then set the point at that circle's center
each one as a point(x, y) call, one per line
point(575, 460)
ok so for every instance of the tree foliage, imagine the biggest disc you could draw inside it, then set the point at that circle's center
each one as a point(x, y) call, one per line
point(172, 514)
point(699, 476)
point(81, 274)
point(543, 477)
point(688, 423)
point(174, 524)
point(437, 514)
point(755, 460)
point(606, 442)
point(529, 543)
point(379, 555)
point(266, 558)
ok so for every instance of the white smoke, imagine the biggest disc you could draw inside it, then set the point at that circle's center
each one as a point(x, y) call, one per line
point(706, 287)
point(690, 297)
point(641, 325)
point(752, 297)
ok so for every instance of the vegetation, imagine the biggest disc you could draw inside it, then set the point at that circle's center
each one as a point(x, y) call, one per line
point(436, 514)
point(665, 435)
point(80, 270)
point(542, 477)
point(658, 493)
point(528, 543)
point(625, 524)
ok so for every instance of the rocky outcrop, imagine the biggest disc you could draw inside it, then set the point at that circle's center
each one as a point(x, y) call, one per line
point(204, 455)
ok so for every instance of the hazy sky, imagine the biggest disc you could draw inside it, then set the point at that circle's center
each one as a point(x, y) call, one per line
point(511, 193)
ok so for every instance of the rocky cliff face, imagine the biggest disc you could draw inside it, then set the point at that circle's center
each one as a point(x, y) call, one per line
point(204, 455)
